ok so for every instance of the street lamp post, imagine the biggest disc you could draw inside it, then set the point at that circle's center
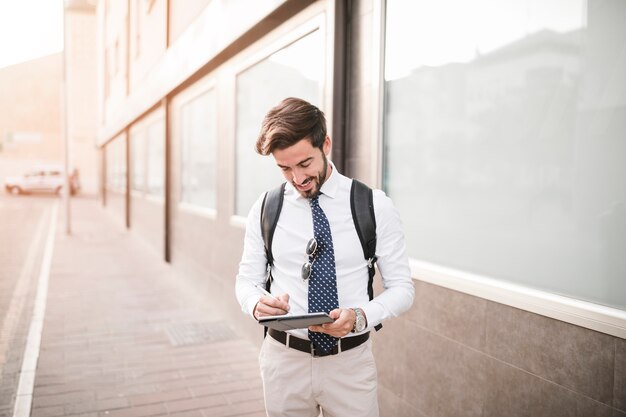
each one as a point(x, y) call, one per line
point(66, 141)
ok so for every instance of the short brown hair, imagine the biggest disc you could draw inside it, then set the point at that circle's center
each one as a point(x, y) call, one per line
point(289, 122)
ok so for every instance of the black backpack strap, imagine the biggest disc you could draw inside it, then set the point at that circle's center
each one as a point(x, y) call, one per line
point(362, 206)
point(270, 211)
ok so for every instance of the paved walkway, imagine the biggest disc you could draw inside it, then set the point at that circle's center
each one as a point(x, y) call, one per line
point(123, 337)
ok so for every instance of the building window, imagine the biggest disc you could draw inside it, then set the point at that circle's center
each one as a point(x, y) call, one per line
point(138, 161)
point(148, 158)
point(116, 165)
point(155, 170)
point(198, 159)
point(504, 140)
point(296, 70)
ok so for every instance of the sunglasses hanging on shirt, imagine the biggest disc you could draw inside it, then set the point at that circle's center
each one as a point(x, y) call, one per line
point(311, 251)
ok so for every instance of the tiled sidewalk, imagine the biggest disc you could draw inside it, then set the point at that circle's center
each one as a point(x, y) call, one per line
point(123, 337)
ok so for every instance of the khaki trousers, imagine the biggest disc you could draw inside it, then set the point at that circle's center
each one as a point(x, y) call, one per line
point(299, 385)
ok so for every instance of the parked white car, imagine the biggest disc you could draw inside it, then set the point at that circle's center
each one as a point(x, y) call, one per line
point(41, 179)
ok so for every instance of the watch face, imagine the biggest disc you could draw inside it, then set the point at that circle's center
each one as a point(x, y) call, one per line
point(360, 322)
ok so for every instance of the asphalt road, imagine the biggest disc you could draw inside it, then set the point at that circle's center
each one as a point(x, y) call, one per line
point(24, 224)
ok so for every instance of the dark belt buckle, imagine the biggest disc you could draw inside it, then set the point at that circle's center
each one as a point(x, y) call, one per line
point(320, 353)
point(314, 352)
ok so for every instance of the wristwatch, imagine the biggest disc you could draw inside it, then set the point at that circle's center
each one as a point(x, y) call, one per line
point(360, 322)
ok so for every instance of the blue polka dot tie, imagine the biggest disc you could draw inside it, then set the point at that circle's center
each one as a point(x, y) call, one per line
point(323, 280)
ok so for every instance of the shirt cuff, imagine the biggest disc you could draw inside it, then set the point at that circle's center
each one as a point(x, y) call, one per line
point(373, 314)
point(250, 304)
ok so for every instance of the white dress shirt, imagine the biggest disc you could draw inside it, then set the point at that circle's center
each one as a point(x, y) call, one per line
point(295, 229)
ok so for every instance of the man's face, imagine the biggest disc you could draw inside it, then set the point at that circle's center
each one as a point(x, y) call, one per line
point(304, 166)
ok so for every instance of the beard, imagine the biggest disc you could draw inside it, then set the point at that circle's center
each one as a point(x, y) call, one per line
point(318, 181)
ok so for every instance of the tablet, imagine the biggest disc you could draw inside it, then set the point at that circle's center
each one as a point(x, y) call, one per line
point(289, 322)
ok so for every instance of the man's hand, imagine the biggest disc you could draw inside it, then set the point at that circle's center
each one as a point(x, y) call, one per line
point(343, 324)
point(270, 306)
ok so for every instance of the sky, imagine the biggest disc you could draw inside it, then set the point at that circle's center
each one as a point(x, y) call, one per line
point(29, 29)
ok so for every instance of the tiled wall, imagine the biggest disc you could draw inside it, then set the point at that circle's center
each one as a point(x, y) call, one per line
point(458, 355)
point(147, 220)
point(116, 205)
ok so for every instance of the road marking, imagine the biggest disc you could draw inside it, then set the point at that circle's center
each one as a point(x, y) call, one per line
point(20, 292)
point(24, 397)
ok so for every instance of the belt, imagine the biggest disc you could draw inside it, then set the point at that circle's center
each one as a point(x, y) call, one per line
point(306, 346)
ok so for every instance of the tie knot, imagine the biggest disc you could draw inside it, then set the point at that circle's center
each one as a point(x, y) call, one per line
point(315, 202)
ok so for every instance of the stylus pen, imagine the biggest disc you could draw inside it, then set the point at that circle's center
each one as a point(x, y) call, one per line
point(266, 292)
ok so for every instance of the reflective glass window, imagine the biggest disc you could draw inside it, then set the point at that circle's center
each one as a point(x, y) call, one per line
point(116, 165)
point(294, 71)
point(138, 160)
point(155, 169)
point(198, 158)
point(505, 142)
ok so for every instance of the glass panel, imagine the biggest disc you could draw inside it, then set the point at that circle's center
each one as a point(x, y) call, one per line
point(138, 160)
point(294, 71)
point(505, 139)
point(116, 165)
point(156, 158)
point(199, 140)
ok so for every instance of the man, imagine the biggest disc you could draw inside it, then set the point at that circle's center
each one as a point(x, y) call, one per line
point(328, 367)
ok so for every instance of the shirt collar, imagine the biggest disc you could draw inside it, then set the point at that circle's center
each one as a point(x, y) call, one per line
point(330, 186)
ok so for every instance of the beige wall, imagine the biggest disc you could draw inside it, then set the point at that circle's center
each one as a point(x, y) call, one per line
point(82, 90)
point(148, 37)
point(183, 14)
point(115, 54)
point(31, 129)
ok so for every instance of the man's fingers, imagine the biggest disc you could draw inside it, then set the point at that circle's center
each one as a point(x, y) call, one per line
point(335, 314)
point(281, 303)
point(340, 327)
point(270, 306)
point(263, 310)
point(270, 311)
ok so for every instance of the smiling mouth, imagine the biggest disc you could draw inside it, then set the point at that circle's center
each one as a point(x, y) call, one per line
point(304, 183)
